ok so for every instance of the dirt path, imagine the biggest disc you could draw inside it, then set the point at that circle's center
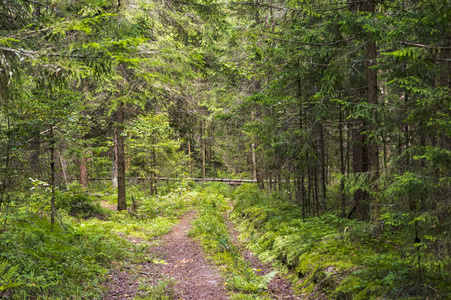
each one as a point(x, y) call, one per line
point(175, 256)
point(187, 264)
point(278, 287)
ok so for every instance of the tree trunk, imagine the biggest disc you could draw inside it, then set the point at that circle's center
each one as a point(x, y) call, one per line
point(359, 166)
point(253, 148)
point(189, 158)
point(323, 168)
point(6, 177)
point(315, 178)
point(84, 177)
point(34, 156)
point(202, 147)
point(154, 168)
point(373, 148)
point(121, 196)
point(254, 161)
point(114, 166)
point(301, 170)
point(310, 188)
point(210, 148)
point(64, 170)
point(343, 167)
point(52, 176)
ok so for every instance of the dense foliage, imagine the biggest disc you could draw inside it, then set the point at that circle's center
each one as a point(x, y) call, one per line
point(340, 110)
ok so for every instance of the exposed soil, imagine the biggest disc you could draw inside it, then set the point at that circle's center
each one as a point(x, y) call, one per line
point(278, 287)
point(174, 255)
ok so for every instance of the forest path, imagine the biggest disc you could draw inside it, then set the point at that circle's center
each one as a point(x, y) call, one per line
point(186, 262)
point(177, 256)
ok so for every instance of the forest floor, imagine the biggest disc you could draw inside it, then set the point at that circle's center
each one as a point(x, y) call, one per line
point(177, 268)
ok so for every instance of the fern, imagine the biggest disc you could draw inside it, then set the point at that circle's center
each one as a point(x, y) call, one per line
point(8, 276)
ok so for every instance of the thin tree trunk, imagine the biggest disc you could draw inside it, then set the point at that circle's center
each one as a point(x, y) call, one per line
point(302, 163)
point(310, 188)
point(52, 176)
point(6, 176)
point(114, 166)
point(288, 185)
point(303, 199)
point(154, 169)
point(297, 182)
point(121, 196)
point(270, 180)
point(359, 159)
point(253, 149)
point(315, 178)
point(259, 168)
point(202, 144)
point(373, 148)
point(189, 158)
point(343, 170)
point(84, 178)
point(254, 161)
point(151, 181)
point(210, 149)
point(64, 169)
point(34, 156)
point(323, 168)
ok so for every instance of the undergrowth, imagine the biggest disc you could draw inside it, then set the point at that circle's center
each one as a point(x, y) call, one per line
point(210, 229)
point(69, 259)
point(335, 257)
